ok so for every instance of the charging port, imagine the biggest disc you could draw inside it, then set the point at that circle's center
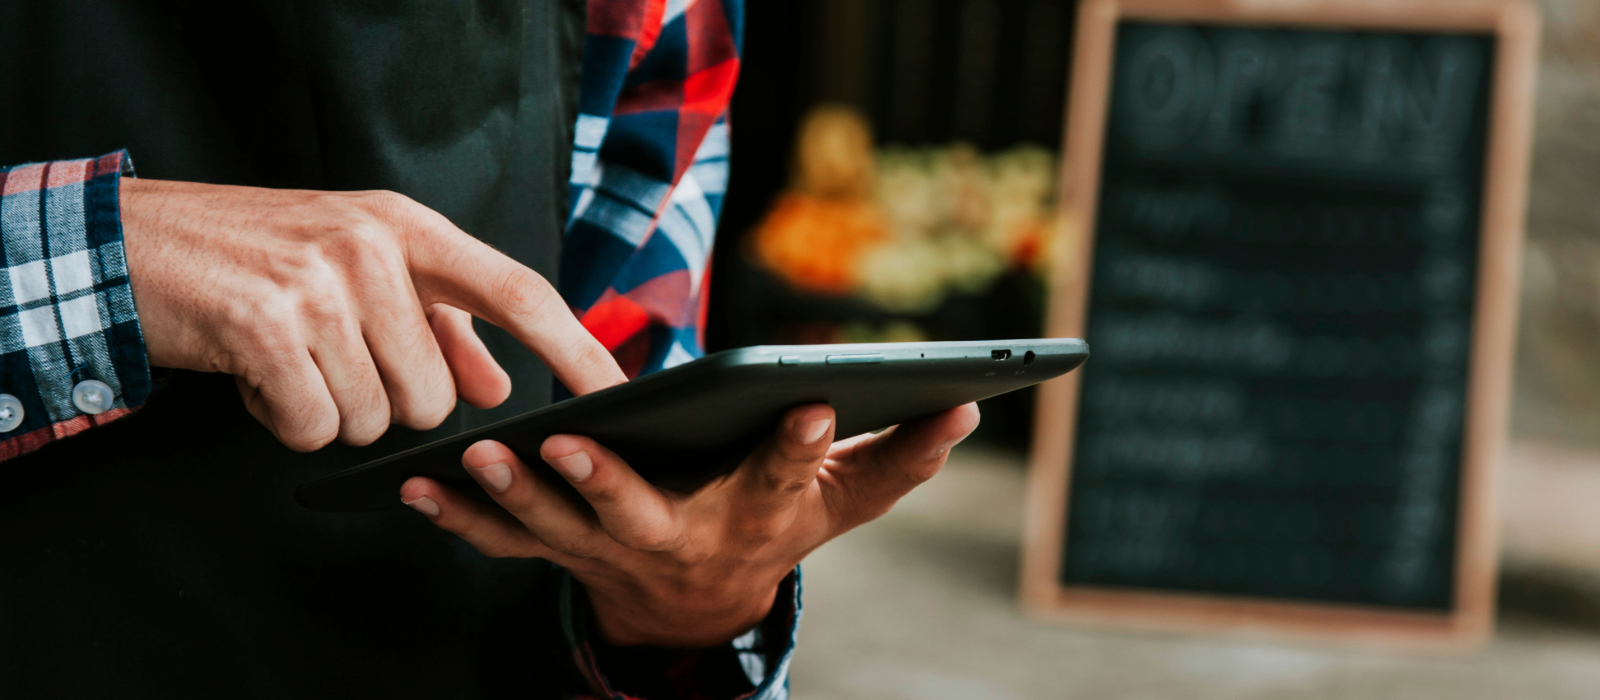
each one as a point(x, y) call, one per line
point(1001, 354)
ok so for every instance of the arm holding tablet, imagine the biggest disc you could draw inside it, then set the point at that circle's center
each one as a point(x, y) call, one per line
point(690, 566)
point(295, 293)
point(662, 569)
point(340, 313)
point(690, 570)
point(322, 271)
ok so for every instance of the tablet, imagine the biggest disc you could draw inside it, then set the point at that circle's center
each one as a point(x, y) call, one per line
point(682, 426)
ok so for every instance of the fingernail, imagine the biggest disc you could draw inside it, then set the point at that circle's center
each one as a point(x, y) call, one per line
point(946, 445)
point(576, 466)
point(497, 476)
point(813, 431)
point(424, 505)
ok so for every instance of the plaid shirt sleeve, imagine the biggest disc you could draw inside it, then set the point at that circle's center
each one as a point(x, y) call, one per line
point(755, 666)
point(67, 319)
point(649, 170)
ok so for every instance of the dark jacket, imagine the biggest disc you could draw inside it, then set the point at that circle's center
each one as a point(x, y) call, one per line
point(164, 555)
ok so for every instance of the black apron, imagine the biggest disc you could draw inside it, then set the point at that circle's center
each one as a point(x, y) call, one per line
point(163, 555)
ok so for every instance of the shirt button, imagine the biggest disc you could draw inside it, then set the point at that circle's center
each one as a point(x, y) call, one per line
point(92, 396)
point(10, 413)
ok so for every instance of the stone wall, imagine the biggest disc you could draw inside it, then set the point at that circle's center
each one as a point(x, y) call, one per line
point(1558, 368)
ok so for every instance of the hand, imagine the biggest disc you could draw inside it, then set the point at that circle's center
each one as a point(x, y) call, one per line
point(339, 312)
point(690, 570)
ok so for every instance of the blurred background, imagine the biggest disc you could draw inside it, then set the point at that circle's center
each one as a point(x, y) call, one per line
point(895, 172)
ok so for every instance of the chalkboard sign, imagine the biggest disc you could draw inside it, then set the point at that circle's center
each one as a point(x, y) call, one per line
point(1298, 275)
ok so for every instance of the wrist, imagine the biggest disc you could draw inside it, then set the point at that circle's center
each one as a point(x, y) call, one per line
point(146, 211)
point(695, 621)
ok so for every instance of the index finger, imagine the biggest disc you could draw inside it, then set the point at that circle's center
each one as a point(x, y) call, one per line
point(448, 266)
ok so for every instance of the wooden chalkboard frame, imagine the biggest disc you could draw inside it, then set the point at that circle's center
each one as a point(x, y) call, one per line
point(1515, 24)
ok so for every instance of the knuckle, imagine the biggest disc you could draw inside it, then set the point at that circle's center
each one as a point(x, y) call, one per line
point(317, 424)
point(305, 263)
point(796, 452)
point(654, 538)
point(311, 434)
point(643, 539)
point(271, 347)
point(307, 285)
point(327, 309)
point(428, 413)
point(389, 204)
point(397, 212)
point(437, 395)
point(364, 426)
point(786, 485)
point(361, 233)
point(353, 242)
point(268, 323)
point(367, 249)
point(523, 292)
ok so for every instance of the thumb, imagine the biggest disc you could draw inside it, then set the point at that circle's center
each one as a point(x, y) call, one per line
point(869, 474)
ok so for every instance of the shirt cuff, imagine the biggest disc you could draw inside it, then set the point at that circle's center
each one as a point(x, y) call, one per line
point(71, 353)
point(755, 666)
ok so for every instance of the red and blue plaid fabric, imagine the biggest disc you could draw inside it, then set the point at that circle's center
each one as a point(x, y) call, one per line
point(649, 169)
point(66, 310)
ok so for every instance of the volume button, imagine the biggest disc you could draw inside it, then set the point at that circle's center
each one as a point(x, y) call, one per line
point(863, 359)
